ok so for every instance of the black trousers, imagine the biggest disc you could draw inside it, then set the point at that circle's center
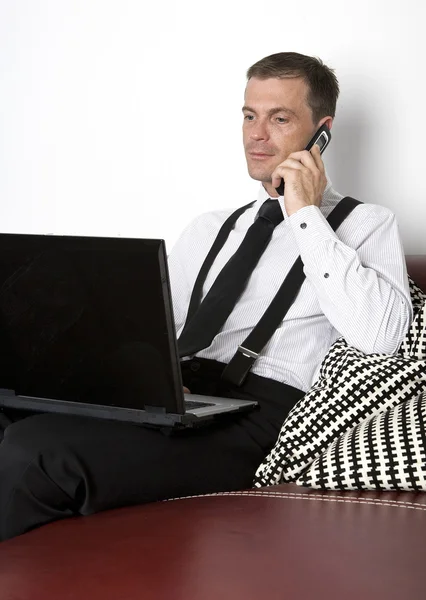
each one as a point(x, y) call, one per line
point(57, 466)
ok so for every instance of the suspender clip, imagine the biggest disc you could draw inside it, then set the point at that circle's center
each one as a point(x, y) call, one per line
point(248, 353)
point(237, 370)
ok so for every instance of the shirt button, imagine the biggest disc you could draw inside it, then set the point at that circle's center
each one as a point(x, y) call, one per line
point(303, 225)
point(326, 275)
point(195, 366)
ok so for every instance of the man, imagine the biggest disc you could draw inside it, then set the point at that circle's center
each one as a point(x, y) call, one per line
point(55, 466)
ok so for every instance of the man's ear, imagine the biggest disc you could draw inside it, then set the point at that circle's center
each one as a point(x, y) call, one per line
point(326, 121)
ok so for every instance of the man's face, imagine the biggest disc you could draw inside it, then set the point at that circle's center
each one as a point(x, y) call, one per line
point(277, 122)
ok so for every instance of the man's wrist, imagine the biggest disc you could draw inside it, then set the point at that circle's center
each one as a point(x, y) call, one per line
point(290, 210)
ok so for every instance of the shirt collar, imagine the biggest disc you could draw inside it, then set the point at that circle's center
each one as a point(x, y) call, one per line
point(263, 195)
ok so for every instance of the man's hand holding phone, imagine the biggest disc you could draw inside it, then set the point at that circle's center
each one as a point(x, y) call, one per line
point(305, 180)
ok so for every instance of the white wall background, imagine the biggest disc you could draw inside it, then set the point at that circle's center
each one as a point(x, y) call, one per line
point(123, 117)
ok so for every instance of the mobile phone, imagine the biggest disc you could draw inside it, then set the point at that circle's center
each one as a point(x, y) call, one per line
point(322, 138)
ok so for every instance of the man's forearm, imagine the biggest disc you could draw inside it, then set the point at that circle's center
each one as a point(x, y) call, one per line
point(363, 291)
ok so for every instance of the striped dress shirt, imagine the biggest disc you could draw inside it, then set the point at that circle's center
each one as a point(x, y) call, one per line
point(356, 285)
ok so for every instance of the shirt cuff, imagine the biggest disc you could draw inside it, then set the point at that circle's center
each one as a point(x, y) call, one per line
point(310, 229)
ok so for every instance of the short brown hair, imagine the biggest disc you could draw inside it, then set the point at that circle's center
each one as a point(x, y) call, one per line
point(321, 80)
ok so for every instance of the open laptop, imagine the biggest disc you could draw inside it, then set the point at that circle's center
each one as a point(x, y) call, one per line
point(87, 328)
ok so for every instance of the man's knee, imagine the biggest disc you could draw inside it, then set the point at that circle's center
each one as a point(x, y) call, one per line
point(31, 460)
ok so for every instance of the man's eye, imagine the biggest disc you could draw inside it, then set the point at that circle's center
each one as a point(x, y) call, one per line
point(282, 120)
point(248, 117)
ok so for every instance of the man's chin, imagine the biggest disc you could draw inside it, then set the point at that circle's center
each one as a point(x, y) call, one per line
point(259, 176)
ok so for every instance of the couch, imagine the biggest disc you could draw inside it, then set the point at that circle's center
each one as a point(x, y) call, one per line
point(277, 542)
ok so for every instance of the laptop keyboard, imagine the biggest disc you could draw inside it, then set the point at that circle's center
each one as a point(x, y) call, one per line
point(190, 404)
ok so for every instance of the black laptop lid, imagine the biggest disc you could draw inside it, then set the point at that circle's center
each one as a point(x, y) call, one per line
point(88, 319)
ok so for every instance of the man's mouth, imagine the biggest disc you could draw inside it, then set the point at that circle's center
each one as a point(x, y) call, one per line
point(259, 155)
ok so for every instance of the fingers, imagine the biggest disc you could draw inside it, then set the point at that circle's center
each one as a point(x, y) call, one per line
point(185, 390)
point(282, 170)
point(304, 176)
point(316, 155)
point(310, 159)
point(303, 161)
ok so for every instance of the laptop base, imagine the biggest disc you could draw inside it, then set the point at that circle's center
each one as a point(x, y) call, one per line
point(151, 415)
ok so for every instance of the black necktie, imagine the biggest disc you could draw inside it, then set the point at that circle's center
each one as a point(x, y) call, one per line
point(216, 307)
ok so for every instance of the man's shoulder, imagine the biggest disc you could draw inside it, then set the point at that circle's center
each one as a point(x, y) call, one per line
point(365, 211)
point(209, 220)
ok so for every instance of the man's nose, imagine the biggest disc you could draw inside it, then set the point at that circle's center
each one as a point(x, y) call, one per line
point(259, 131)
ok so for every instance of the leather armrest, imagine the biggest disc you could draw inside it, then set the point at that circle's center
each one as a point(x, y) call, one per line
point(416, 266)
point(275, 543)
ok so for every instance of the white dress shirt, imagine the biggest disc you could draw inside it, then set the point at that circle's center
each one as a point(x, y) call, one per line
point(356, 285)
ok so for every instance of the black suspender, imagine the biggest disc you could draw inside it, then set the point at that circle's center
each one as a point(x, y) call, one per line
point(221, 238)
point(239, 366)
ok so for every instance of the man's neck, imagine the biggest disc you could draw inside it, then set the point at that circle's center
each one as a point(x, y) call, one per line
point(270, 190)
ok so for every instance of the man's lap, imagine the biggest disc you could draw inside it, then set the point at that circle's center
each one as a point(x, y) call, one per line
point(54, 466)
point(89, 465)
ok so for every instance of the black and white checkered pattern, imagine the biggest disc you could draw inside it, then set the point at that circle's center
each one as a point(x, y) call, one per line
point(352, 388)
point(417, 295)
point(414, 343)
point(384, 452)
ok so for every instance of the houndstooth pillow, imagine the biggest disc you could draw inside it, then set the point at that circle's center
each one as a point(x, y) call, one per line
point(351, 387)
point(418, 296)
point(385, 452)
point(414, 342)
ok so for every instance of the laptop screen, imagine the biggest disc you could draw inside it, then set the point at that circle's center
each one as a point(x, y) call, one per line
point(89, 320)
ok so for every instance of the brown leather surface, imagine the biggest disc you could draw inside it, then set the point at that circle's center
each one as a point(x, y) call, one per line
point(416, 266)
point(275, 543)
